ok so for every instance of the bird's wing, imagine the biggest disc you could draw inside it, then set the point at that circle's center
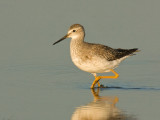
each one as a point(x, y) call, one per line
point(111, 54)
point(102, 51)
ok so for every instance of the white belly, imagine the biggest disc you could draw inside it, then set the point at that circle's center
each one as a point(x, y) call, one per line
point(95, 65)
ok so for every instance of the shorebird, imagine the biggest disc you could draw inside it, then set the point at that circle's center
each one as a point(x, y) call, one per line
point(94, 58)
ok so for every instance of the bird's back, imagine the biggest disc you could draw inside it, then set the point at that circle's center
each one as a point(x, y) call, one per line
point(108, 53)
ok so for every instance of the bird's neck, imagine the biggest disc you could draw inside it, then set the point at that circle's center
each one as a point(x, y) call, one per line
point(76, 45)
point(77, 41)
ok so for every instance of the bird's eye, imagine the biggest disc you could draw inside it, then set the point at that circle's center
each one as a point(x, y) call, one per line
point(74, 30)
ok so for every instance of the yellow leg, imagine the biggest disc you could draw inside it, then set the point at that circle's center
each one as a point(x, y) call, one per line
point(97, 78)
point(99, 85)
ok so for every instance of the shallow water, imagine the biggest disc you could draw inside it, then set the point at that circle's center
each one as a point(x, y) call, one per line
point(57, 92)
point(38, 81)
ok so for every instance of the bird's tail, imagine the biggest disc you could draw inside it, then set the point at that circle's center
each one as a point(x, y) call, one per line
point(132, 51)
point(136, 50)
point(126, 52)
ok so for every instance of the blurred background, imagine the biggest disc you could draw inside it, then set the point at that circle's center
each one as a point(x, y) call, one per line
point(39, 81)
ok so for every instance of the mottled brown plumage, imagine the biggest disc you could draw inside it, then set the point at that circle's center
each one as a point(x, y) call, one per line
point(110, 54)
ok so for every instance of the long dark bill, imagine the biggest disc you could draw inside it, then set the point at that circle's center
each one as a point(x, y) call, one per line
point(60, 39)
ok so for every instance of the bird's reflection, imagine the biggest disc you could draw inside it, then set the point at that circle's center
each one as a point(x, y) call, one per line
point(101, 108)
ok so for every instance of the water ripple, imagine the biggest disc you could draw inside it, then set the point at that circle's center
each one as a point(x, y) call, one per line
point(128, 88)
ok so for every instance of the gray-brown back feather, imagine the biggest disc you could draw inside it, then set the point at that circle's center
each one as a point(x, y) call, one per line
point(109, 53)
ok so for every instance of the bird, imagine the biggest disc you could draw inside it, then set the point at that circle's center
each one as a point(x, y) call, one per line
point(94, 58)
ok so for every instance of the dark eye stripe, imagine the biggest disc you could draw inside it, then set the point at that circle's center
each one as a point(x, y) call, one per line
point(74, 30)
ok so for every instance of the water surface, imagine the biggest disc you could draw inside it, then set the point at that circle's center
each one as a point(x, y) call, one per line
point(38, 81)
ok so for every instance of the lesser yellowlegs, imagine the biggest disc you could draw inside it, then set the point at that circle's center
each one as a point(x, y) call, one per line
point(94, 58)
